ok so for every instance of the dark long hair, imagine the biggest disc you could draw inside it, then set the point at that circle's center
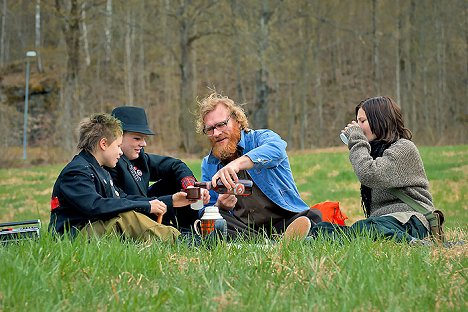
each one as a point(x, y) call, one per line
point(386, 122)
point(385, 119)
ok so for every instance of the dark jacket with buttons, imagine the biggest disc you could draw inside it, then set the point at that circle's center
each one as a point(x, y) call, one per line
point(168, 174)
point(134, 176)
point(84, 192)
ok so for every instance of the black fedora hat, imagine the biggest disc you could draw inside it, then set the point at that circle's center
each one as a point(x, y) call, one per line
point(133, 119)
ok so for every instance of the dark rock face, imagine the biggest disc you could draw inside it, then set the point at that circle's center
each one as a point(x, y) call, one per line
point(43, 108)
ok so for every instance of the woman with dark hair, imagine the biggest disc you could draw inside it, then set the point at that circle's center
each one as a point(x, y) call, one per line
point(383, 157)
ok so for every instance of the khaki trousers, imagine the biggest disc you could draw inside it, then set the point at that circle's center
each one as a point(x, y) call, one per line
point(133, 225)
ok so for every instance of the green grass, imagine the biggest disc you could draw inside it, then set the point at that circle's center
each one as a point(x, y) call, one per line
point(321, 275)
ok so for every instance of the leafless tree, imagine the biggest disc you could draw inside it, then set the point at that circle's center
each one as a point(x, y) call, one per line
point(301, 66)
point(189, 18)
point(72, 107)
point(108, 32)
point(3, 33)
point(84, 34)
point(37, 41)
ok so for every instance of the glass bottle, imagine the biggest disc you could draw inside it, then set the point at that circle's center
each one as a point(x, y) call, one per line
point(242, 188)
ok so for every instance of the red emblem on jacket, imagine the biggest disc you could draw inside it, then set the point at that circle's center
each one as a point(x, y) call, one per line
point(54, 203)
point(187, 181)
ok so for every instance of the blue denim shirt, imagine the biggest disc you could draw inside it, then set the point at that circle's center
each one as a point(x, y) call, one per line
point(271, 171)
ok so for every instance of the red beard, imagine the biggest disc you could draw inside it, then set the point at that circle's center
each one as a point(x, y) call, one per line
point(227, 152)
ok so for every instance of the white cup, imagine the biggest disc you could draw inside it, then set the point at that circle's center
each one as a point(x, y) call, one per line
point(197, 205)
point(344, 138)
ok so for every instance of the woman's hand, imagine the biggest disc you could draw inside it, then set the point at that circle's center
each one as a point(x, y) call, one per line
point(351, 124)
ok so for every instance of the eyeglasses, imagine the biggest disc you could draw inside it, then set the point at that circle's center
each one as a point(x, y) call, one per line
point(220, 126)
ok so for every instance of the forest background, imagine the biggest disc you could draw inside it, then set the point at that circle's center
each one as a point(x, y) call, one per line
point(299, 66)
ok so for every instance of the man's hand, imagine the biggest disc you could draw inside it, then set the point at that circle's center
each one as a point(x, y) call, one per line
point(228, 174)
point(205, 196)
point(226, 202)
point(158, 207)
point(179, 199)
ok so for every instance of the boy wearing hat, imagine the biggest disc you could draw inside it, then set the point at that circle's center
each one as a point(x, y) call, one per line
point(84, 198)
point(136, 169)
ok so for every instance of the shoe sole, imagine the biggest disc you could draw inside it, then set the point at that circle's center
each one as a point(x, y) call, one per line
point(298, 229)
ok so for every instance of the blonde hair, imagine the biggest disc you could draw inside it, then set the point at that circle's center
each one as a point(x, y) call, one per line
point(91, 130)
point(209, 103)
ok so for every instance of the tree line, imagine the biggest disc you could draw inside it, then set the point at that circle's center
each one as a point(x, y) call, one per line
point(300, 67)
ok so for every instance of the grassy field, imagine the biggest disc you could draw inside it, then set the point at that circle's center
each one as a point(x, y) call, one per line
point(321, 275)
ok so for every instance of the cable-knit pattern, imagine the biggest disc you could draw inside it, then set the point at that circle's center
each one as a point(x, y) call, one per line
point(400, 166)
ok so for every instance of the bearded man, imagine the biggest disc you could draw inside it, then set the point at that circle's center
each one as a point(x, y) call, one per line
point(238, 152)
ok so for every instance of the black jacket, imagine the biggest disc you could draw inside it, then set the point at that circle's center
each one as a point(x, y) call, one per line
point(134, 176)
point(84, 192)
point(169, 176)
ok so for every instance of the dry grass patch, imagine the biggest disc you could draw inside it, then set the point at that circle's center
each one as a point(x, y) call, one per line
point(453, 253)
point(325, 269)
point(12, 157)
point(21, 177)
point(333, 173)
point(181, 262)
point(351, 207)
point(226, 299)
point(451, 190)
point(453, 153)
point(333, 149)
point(310, 171)
point(463, 169)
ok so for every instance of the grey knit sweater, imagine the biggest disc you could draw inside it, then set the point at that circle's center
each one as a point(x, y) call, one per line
point(400, 166)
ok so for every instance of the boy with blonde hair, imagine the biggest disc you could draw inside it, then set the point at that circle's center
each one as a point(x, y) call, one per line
point(85, 200)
